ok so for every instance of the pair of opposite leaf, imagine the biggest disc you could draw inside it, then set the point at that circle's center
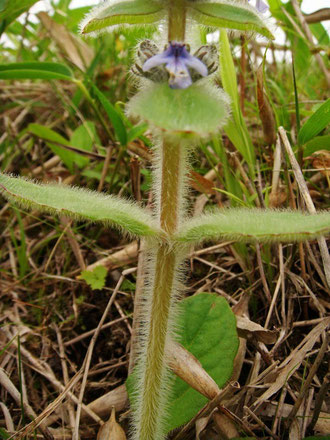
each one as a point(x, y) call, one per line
point(232, 14)
point(236, 224)
point(175, 64)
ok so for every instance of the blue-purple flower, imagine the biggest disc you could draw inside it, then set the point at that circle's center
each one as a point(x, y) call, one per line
point(261, 6)
point(177, 61)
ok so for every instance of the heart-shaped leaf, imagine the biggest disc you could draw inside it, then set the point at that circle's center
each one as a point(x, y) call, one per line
point(208, 331)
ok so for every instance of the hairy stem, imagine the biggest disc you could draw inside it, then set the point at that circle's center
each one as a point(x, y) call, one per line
point(153, 370)
point(176, 20)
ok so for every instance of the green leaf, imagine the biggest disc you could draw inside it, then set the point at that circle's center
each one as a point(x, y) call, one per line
point(95, 278)
point(136, 132)
point(113, 115)
point(315, 124)
point(4, 434)
point(55, 142)
point(208, 331)
point(255, 225)
point(236, 128)
point(79, 204)
point(223, 14)
point(318, 437)
point(35, 70)
point(11, 9)
point(316, 144)
point(126, 12)
point(83, 138)
point(47, 134)
point(198, 110)
point(82, 141)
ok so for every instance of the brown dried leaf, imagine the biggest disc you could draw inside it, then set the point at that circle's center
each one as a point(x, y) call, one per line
point(123, 257)
point(189, 369)
point(111, 430)
point(246, 327)
point(276, 379)
point(201, 184)
point(321, 161)
point(78, 52)
point(269, 409)
point(265, 111)
point(225, 426)
point(277, 198)
point(201, 424)
point(116, 398)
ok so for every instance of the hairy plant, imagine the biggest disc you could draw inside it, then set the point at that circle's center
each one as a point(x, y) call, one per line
point(179, 101)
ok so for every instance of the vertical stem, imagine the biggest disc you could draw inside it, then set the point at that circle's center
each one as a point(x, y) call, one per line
point(176, 20)
point(153, 369)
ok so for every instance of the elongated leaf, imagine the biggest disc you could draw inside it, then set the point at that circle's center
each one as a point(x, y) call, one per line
point(47, 134)
point(224, 14)
point(55, 142)
point(35, 70)
point(79, 204)
point(316, 144)
point(11, 9)
point(236, 128)
point(198, 110)
point(125, 12)
point(81, 142)
point(208, 331)
point(255, 225)
point(113, 115)
point(316, 123)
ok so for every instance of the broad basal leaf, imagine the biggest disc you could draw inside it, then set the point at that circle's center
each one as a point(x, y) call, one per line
point(208, 331)
point(78, 203)
point(225, 14)
point(111, 13)
point(255, 225)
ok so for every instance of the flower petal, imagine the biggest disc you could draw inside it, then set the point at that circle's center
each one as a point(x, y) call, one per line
point(155, 61)
point(196, 64)
point(261, 6)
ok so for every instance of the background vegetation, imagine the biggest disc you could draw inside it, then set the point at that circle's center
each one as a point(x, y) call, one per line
point(56, 277)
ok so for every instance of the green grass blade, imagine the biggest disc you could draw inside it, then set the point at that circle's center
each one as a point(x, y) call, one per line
point(236, 128)
point(11, 9)
point(316, 123)
point(113, 115)
point(35, 70)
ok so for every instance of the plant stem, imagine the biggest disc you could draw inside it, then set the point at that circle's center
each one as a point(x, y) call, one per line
point(153, 370)
point(176, 20)
point(170, 170)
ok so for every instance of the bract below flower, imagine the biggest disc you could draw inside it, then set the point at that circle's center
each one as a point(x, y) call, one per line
point(177, 62)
